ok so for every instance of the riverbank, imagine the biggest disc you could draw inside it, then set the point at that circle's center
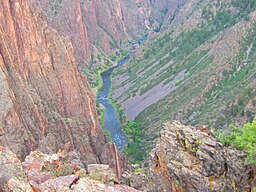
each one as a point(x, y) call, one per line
point(109, 118)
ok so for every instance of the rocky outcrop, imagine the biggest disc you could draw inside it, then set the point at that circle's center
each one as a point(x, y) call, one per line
point(57, 172)
point(103, 25)
point(101, 173)
point(45, 103)
point(194, 160)
point(186, 159)
point(10, 168)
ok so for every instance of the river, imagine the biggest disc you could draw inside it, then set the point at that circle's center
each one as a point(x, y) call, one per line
point(111, 121)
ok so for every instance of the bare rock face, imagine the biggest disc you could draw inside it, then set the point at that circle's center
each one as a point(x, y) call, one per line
point(186, 159)
point(101, 24)
point(45, 103)
point(101, 173)
point(165, 10)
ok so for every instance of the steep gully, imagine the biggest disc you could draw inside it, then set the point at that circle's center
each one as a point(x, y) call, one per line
point(111, 121)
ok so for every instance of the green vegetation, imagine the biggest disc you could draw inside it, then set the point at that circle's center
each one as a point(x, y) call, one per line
point(58, 171)
point(100, 62)
point(242, 139)
point(134, 149)
point(113, 58)
point(181, 49)
point(132, 131)
point(100, 112)
point(93, 75)
point(121, 114)
point(107, 133)
point(124, 53)
point(245, 6)
point(54, 6)
point(219, 84)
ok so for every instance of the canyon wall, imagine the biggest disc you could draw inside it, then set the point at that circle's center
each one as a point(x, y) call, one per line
point(97, 24)
point(166, 10)
point(45, 103)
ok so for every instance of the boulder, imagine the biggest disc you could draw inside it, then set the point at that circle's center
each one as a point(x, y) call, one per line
point(12, 176)
point(15, 184)
point(39, 177)
point(10, 167)
point(101, 173)
point(88, 185)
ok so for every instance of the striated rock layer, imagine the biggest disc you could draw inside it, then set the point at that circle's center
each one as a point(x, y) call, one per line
point(186, 159)
point(97, 23)
point(106, 25)
point(45, 103)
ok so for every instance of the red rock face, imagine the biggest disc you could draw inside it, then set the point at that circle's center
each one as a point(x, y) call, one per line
point(66, 17)
point(99, 24)
point(45, 103)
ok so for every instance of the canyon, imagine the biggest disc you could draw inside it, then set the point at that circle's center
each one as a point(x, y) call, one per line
point(197, 66)
point(97, 25)
point(200, 70)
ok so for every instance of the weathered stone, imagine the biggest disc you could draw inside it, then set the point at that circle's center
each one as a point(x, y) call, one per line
point(12, 176)
point(138, 180)
point(19, 185)
point(186, 159)
point(88, 185)
point(35, 161)
point(61, 183)
point(36, 187)
point(10, 166)
point(39, 177)
point(34, 176)
point(101, 173)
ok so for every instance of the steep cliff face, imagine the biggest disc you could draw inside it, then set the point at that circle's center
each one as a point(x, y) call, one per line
point(67, 18)
point(45, 103)
point(166, 10)
point(103, 25)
